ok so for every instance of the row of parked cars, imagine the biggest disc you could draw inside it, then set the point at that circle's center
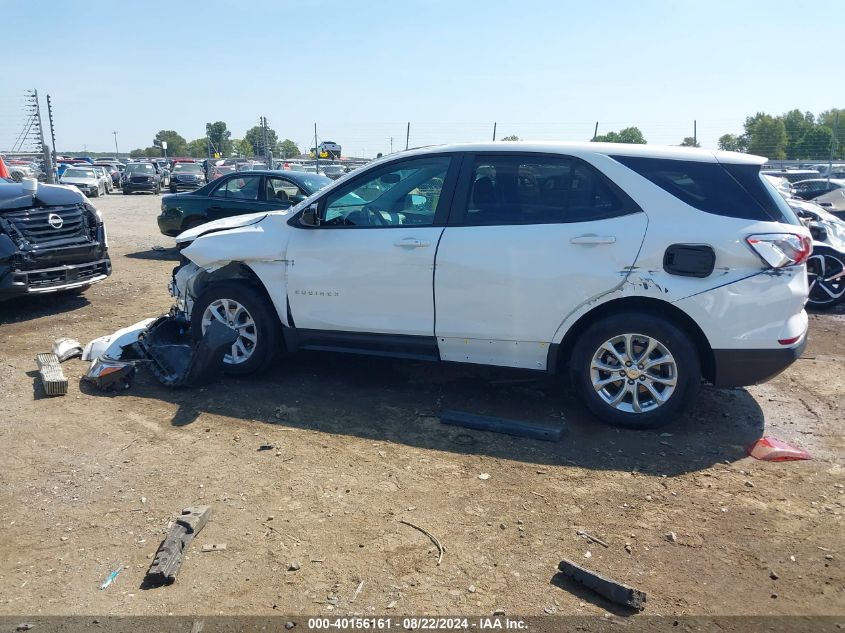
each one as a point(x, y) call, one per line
point(820, 204)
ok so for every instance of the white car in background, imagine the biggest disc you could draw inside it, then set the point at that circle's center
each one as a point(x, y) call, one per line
point(105, 177)
point(85, 179)
point(634, 270)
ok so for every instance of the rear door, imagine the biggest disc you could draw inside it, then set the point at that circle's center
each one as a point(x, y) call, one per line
point(533, 237)
point(236, 196)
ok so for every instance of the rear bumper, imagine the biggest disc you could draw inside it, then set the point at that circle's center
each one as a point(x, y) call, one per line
point(742, 367)
point(170, 225)
point(19, 283)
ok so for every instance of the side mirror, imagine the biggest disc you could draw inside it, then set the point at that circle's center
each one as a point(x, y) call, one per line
point(309, 217)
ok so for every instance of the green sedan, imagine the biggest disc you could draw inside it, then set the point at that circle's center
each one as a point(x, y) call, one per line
point(237, 194)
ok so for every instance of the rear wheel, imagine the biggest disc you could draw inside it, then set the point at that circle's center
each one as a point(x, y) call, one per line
point(635, 370)
point(827, 288)
point(244, 308)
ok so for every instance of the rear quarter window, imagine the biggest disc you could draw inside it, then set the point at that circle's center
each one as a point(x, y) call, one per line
point(731, 190)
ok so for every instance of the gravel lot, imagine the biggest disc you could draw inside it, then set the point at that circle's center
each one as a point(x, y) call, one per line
point(90, 481)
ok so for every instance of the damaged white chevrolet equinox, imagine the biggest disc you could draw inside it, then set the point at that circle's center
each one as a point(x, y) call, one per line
point(635, 270)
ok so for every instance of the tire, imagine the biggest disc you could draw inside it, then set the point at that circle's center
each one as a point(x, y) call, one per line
point(96, 194)
point(265, 326)
point(157, 190)
point(172, 189)
point(825, 263)
point(598, 388)
point(125, 192)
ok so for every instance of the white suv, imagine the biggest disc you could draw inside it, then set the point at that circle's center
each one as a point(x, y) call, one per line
point(635, 270)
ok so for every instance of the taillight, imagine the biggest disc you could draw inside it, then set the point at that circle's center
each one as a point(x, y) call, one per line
point(781, 249)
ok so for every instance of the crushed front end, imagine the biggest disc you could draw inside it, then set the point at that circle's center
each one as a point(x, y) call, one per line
point(51, 239)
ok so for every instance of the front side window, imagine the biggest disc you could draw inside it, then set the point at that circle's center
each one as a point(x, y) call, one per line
point(406, 193)
point(511, 189)
point(241, 188)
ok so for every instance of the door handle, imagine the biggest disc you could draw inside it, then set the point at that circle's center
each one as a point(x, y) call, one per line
point(411, 242)
point(593, 239)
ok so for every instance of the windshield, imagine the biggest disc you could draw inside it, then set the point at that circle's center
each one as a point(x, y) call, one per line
point(315, 182)
point(191, 168)
point(75, 172)
point(141, 167)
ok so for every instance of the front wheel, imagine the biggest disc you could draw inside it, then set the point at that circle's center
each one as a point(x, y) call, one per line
point(172, 189)
point(635, 370)
point(242, 307)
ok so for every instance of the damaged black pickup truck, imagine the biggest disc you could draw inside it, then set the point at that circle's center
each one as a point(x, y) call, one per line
point(51, 239)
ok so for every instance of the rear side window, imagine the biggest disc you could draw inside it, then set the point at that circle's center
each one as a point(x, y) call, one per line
point(731, 190)
point(513, 189)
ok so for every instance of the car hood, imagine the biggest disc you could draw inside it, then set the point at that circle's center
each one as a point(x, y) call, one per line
point(12, 196)
point(257, 238)
point(223, 224)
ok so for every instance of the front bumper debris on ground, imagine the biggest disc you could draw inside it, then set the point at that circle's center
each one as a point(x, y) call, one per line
point(176, 360)
point(52, 377)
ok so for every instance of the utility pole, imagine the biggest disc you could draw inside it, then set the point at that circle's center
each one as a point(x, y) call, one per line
point(264, 142)
point(116, 151)
point(45, 151)
point(316, 149)
point(52, 138)
point(407, 135)
point(832, 147)
point(694, 133)
point(494, 130)
point(391, 144)
point(596, 131)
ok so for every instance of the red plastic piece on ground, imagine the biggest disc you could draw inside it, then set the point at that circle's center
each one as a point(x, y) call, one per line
point(770, 449)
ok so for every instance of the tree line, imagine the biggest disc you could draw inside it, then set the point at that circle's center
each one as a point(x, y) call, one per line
point(218, 140)
point(794, 135)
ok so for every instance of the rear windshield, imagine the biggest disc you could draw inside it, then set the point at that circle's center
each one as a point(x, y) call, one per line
point(732, 190)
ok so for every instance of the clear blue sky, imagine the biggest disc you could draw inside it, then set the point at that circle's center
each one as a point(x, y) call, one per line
point(361, 70)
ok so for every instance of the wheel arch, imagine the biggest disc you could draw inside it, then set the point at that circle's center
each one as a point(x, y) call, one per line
point(560, 354)
point(238, 271)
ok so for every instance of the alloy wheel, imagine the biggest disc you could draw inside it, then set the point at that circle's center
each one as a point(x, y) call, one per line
point(823, 274)
point(633, 373)
point(237, 317)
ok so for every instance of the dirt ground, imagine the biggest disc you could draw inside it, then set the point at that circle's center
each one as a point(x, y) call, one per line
point(90, 481)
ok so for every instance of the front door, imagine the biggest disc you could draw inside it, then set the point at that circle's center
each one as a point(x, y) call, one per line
point(532, 237)
point(368, 267)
